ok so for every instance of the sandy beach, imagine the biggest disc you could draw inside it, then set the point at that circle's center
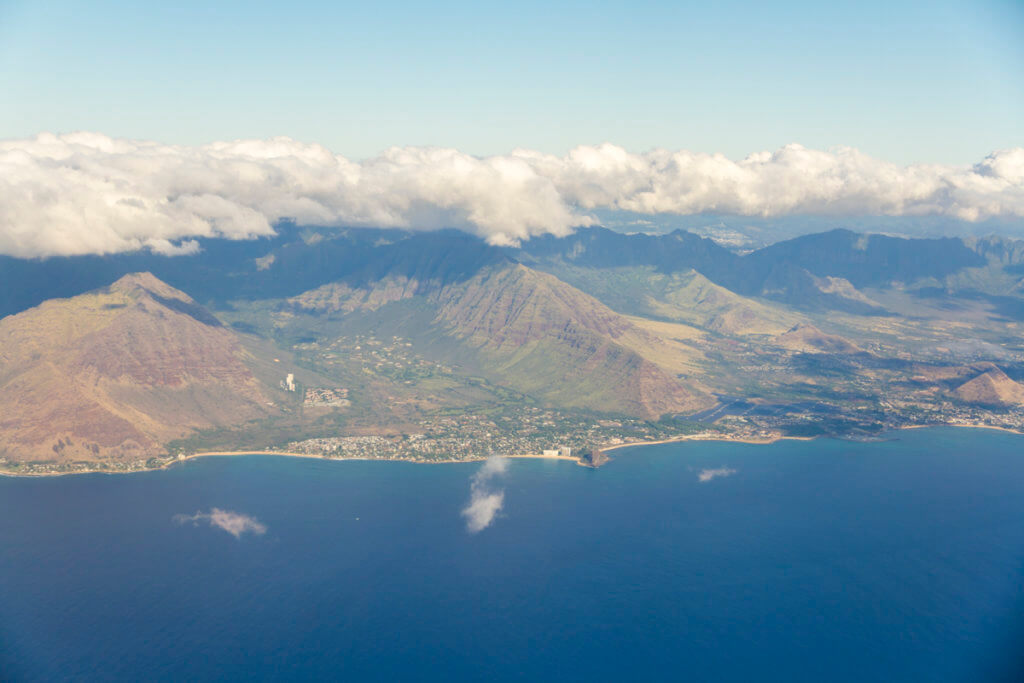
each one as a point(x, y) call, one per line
point(705, 437)
point(288, 454)
point(725, 437)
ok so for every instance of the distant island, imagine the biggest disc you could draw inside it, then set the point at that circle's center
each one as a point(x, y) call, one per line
point(437, 347)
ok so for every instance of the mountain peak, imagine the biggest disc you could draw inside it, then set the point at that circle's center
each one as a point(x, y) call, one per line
point(149, 283)
point(156, 290)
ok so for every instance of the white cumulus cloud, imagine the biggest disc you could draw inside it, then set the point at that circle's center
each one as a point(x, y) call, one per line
point(791, 180)
point(86, 193)
point(235, 523)
point(709, 474)
point(484, 500)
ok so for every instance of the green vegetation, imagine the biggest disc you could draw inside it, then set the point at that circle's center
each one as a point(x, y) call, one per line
point(394, 345)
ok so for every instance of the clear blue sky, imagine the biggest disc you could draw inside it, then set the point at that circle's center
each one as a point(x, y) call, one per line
point(938, 81)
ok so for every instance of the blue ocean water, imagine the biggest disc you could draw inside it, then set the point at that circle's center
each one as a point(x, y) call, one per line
point(798, 561)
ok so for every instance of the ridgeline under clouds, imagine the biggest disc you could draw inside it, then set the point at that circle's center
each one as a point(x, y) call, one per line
point(86, 193)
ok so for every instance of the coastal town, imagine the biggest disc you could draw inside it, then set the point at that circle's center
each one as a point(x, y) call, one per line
point(537, 432)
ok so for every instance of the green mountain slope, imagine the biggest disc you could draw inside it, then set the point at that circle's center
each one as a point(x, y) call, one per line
point(688, 297)
point(540, 336)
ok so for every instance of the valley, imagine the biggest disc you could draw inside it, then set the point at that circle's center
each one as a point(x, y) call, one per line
point(435, 346)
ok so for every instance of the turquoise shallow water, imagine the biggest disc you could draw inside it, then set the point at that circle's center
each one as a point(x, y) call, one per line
point(801, 561)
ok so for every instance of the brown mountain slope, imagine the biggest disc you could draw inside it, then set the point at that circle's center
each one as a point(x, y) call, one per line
point(549, 339)
point(510, 306)
point(991, 387)
point(543, 337)
point(809, 339)
point(116, 373)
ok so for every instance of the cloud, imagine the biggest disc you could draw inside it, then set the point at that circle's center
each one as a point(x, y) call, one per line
point(86, 193)
point(484, 501)
point(709, 474)
point(791, 180)
point(235, 523)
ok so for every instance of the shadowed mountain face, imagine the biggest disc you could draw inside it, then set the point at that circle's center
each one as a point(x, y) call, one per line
point(117, 372)
point(293, 262)
point(863, 260)
point(820, 272)
point(602, 248)
point(799, 272)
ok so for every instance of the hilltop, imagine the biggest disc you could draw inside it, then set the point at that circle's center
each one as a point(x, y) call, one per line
point(991, 387)
point(116, 373)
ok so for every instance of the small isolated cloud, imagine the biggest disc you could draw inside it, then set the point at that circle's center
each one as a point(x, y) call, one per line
point(235, 523)
point(484, 500)
point(709, 474)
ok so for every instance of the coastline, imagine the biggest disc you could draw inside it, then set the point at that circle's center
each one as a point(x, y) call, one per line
point(998, 429)
point(702, 437)
point(533, 456)
point(775, 439)
point(287, 454)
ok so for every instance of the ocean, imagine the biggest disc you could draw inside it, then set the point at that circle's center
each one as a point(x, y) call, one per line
point(826, 560)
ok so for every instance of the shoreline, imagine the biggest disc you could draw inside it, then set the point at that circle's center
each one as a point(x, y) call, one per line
point(993, 427)
point(776, 439)
point(531, 456)
point(289, 454)
point(701, 437)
